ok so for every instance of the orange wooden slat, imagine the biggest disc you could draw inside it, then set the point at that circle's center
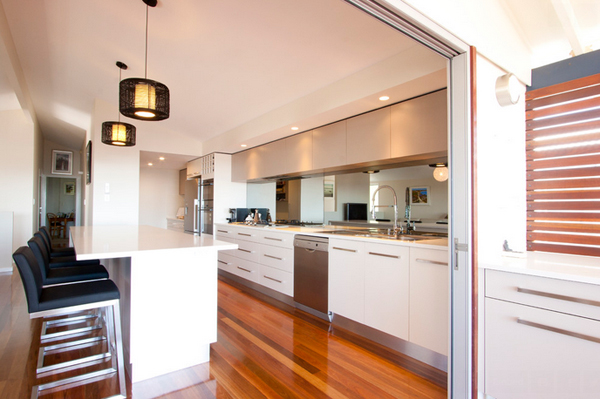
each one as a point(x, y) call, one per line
point(564, 238)
point(563, 87)
point(563, 152)
point(561, 184)
point(562, 97)
point(564, 216)
point(564, 206)
point(563, 162)
point(573, 128)
point(571, 194)
point(571, 139)
point(566, 227)
point(563, 173)
point(560, 109)
point(563, 249)
point(559, 120)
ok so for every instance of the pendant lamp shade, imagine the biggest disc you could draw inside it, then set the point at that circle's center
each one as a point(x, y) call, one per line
point(143, 99)
point(118, 133)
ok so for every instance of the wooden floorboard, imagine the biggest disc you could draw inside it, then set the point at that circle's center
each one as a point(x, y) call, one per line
point(264, 350)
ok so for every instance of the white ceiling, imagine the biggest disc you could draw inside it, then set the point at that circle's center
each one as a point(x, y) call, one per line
point(230, 63)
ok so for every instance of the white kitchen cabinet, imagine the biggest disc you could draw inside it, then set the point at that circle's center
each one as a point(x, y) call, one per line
point(246, 165)
point(276, 279)
point(420, 126)
point(276, 238)
point(298, 153)
point(537, 344)
point(194, 168)
point(329, 146)
point(277, 257)
point(368, 137)
point(346, 278)
point(387, 288)
point(429, 299)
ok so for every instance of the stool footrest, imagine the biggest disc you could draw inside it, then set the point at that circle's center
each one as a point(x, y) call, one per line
point(72, 382)
point(60, 348)
point(73, 364)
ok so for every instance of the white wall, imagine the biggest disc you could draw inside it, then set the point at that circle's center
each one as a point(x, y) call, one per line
point(349, 188)
point(262, 195)
point(500, 166)
point(311, 202)
point(159, 194)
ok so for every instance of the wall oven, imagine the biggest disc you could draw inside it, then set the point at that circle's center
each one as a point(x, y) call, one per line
point(206, 206)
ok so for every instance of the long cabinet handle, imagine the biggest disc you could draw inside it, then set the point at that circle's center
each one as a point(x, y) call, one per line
point(274, 239)
point(274, 279)
point(223, 262)
point(272, 257)
point(345, 249)
point(246, 270)
point(244, 250)
point(385, 255)
point(434, 262)
point(559, 330)
point(557, 296)
point(244, 234)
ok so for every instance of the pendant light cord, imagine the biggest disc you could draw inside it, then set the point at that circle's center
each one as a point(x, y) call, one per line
point(146, 53)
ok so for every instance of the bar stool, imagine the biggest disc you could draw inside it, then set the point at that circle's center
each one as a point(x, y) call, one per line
point(54, 252)
point(66, 274)
point(43, 256)
point(65, 300)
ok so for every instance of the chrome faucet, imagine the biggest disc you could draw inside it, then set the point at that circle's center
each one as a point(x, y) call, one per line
point(373, 206)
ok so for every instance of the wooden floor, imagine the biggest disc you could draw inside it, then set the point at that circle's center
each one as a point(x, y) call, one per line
point(261, 352)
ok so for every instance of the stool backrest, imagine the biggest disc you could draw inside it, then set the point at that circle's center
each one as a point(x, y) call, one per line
point(46, 233)
point(44, 240)
point(42, 256)
point(31, 276)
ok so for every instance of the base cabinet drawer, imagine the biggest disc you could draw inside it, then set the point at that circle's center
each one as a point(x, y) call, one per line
point(246, 269)
point(277, 280)
point(532, 353)
point(277, 257)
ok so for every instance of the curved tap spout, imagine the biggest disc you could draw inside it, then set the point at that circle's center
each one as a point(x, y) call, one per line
point(373, 206)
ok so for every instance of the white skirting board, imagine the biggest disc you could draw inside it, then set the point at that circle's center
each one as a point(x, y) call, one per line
point(6, 242)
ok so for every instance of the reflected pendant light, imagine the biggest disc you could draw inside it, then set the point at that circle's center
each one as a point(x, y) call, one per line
point(118, 133)
point(440, 173)
point(144, 99)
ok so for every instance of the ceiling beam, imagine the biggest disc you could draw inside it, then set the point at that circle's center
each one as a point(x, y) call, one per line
point(566, 16)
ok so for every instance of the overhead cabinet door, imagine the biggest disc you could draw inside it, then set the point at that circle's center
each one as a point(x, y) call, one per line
point(368, 137)
point(329, 146)
point(420, 126)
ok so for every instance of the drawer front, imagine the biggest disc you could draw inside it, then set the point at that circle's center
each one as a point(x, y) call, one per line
point(223, 233)
point(248, 234)
point(348, 246)
point(276, 238)
point(277, 257)
point(277, 280)
point(534, 353)
point(246, 269)
point(247, 250)
point(227, 262)
point(375, 251)
point(563, 296)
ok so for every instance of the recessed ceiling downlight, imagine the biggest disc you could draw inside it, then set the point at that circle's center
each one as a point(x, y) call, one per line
point(384, 98)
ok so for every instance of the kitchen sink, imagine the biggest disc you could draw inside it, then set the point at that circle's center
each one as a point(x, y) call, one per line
point(372, 233)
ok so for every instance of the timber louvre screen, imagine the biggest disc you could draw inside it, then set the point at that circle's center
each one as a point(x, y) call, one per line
point(563, 167)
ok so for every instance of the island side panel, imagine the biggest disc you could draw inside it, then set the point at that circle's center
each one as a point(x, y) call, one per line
point(173, 310)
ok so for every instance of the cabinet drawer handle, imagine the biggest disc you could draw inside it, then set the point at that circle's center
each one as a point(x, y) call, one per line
point(244, 250)
point(246, 270)
point(557, 296)
point(274, 239)
point(245, 234)
point(434, 262)
point(223, 231)
point(559, 330)
point(223, 262)
point(273, 257)
point(386, 255)
point(274, 279)
point(344, 249)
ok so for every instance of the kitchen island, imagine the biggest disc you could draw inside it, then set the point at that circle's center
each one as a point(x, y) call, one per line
point(168, 285)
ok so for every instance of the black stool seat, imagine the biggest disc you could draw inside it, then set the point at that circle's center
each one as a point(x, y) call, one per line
point(76, 294)
point(72, 271)
point(55, 252)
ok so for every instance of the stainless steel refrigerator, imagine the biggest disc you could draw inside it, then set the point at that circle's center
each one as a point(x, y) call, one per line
point(191, 216)
point(206, 206)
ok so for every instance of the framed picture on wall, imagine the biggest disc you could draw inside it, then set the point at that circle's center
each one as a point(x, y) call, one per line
point(88, 163)
point(70, 188)
point(419, 196)
point(62, 162)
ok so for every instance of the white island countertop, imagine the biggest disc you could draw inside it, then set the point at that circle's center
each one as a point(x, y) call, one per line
point(99, 242)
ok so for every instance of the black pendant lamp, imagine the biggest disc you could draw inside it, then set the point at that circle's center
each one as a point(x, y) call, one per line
point(144, 99)
point(118, 133)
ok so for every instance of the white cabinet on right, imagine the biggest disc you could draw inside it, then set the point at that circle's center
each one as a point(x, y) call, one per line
point(347, 278)
point(542, 338)
point(429, 299)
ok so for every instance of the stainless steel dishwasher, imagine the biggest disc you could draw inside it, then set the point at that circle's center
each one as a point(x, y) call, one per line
point(311, 275)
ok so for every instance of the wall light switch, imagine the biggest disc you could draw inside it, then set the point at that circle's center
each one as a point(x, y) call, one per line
point(106, 197)
point(107, 188)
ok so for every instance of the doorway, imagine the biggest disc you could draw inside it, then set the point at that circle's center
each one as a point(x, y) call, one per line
point(60, 197)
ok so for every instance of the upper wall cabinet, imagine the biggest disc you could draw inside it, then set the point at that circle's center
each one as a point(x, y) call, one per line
point(245, 165)
point(368, 137)
point(194, 168)
point(420, 126)
point(273, 159)
point(299, 150)
point(329, 145)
